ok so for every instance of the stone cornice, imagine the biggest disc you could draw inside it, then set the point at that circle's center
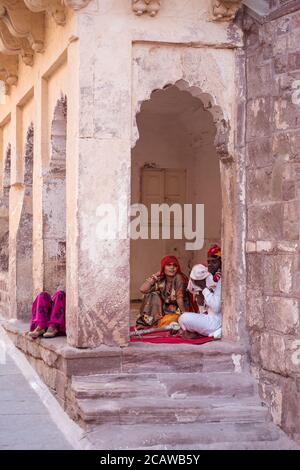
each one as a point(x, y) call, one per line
point(150, 7)
point(221, 10)
point(10, 44)
point(22, 31)
point(8, 70)
point(22, 23)
point(262, 12)
point(55, 8)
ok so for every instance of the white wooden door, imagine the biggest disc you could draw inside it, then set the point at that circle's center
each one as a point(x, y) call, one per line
point(158, 186)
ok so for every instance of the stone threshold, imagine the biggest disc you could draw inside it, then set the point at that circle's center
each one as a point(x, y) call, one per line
point(60, 346)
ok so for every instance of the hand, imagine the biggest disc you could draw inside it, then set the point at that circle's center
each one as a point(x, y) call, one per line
point(201, 284)
point(154, 277)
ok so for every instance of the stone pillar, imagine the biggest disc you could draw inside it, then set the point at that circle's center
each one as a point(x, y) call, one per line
point(20, 221)
point(40, 154)
point(98, 172)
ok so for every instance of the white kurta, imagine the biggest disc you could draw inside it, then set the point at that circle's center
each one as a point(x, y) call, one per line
point(205, 324)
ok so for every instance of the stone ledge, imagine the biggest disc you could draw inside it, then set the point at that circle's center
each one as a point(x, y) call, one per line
point(270, 246)
point(57, 354)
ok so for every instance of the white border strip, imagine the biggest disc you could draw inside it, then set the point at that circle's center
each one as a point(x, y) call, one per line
point(72, 432)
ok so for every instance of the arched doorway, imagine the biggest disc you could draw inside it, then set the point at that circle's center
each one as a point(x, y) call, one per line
point(177, 160)
point(54, 203)
point(24, 238)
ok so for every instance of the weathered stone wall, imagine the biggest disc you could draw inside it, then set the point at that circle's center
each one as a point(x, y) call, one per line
point(203, 57)
point(273, 212)
point(4, 231)
point(54, 204)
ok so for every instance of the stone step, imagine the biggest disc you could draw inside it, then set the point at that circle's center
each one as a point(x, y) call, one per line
point(163, 385)
point(216, 356)
point(184, 436)
point(143, 410)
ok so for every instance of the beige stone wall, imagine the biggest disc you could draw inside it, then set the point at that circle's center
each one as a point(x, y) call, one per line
point(33, 100)
point(129, 58)
point(107, 60)
point(273, 203)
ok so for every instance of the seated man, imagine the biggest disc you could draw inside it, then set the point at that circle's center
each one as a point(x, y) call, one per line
point(206, 284)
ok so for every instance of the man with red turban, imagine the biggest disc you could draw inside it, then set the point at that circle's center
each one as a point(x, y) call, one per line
point(165, 295)
point(208, 286)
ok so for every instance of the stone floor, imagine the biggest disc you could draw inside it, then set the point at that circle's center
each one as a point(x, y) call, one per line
point(24, 421)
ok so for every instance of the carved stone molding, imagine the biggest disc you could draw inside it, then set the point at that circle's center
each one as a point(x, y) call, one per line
point(151, 7)
point(76, 4)
point(8, 70)
point(23, 23)
point(55, 8)
point(10, 44)
point(225, 10)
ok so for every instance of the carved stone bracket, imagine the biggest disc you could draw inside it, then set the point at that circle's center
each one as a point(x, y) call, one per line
point(151, 7)
point(76, 4)
point(22, 23)
point(10, 44)
point(56, 8)
point(8, 70)
point(225, 10)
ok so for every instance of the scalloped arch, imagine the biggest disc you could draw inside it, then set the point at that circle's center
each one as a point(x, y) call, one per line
point(221, 123)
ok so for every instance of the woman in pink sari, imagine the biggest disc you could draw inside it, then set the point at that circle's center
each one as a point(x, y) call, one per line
point(48, 315)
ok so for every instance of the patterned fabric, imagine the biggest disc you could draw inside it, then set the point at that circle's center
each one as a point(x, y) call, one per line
point(47, 311)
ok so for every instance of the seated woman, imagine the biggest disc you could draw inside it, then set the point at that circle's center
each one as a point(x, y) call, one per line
point(165, 295)
point(48, 315)
point(205, 285)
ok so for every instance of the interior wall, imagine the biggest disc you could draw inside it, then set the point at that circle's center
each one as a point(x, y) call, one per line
point(176, 132)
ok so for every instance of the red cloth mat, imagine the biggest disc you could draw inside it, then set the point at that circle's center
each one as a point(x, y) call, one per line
point(166, 337)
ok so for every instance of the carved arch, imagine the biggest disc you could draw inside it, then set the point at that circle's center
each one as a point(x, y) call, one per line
point(222, 125)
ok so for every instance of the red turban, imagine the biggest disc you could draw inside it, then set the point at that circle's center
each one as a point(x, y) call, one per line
point(214, 250)
point(168, 260)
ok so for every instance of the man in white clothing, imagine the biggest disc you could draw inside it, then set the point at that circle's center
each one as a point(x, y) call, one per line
point(206, 289)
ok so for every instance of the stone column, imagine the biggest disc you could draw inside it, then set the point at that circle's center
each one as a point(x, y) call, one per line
point(20, 221)
point(40, 154)
point(98, 172)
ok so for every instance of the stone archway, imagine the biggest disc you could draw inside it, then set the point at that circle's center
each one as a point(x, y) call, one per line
point(24, 236)
point(232, 237)
point(54, 203)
